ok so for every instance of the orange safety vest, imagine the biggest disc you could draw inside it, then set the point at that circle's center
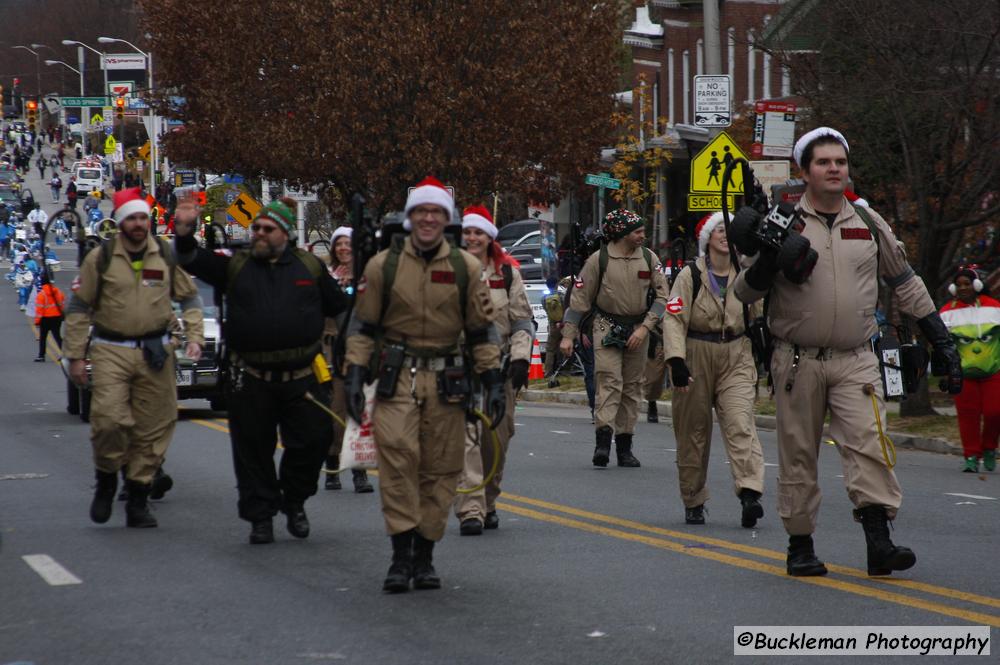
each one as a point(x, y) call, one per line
point(49, 303)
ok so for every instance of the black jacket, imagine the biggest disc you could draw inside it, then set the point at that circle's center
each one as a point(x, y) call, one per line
point(274, 311)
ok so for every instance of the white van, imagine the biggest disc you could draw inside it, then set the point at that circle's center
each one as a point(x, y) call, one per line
point(89, 177)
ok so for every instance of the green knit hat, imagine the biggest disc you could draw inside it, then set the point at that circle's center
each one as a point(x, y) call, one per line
point(281, 214)
point(619, 223)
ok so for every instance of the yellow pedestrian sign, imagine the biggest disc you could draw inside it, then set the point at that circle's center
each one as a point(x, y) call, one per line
point(110, 145)
point(243, 209)
point(710, 164)
point(96, 119)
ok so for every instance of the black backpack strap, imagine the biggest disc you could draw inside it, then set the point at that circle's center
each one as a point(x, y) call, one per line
point(508, 277)
point(107, 250)
point(461, 277)
point(695, 281)
point(873, 229)
point(389, 272)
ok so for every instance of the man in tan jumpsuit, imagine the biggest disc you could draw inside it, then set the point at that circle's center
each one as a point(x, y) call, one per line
point(127, 301)
point(477, 510)
point(624, 318)
point(823, 360)
point(417, 319)
point(712, 364)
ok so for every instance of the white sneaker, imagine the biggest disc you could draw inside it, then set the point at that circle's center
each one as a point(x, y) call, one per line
point(24, 307)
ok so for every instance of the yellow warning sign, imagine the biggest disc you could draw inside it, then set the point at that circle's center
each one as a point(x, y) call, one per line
point(110, 145)
point(243, 209)
point(710, 164)
point(96, 119)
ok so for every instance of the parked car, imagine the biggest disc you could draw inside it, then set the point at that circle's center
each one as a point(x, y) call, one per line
point(527, 249)
point(195, 380)
point(9, 196)
point(536, 293)
point(511, 233)
point(10, 179)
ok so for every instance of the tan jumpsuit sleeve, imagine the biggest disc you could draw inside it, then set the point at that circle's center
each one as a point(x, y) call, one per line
point(675, 323)
point(522, 329)
point(186, 293)
point(479, 316)
point(914, 299)
point(659, 306)
point(78, 313)
point(582, 298)
point(367, 312)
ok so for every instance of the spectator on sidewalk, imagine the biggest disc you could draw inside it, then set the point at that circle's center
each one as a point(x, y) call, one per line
point(973, 319)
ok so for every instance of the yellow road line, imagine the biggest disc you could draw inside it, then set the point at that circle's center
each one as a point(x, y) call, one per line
point(839, 585)
point(756, 551)
point(662, 543)
point(210, 425)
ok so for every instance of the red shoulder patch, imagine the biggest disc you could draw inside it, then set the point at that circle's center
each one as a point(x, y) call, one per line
point(855, 234)
point(362, 284)
point(497, 284)
point(304, 282)
point(675, 305)
point(578, 284)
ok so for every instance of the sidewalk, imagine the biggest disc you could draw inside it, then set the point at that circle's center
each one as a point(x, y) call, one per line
point(902, 440)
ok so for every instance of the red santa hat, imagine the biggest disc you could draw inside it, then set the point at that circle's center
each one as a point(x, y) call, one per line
point(129, 202)
point(855, 199)
point(478, 217)
point(705, 228)
point(429, 191)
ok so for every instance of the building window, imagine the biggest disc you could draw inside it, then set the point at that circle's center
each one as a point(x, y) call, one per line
point(700, 56)
point(786, 81)
point(671, 81)
point(686, 73)
point(731, 50)
point(751, 67)
point(766, 69)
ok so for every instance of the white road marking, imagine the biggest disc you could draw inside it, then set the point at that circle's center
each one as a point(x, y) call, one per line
point(970, 496)
point(50, 570)
point(769, 464)
point(23, 476)
point(559, 431)
point(966, 503)
point(518, 424)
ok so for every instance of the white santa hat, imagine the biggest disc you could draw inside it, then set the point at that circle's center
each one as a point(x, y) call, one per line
point(129, 202)
point(809, 137)
point(705, 228)
point(478, 217)
point(429, 191)
point(341, 232)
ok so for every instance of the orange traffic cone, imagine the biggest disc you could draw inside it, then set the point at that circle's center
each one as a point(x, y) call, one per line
point(537, 369)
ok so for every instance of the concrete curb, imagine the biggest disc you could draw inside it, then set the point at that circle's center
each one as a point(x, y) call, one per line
point(901, 439)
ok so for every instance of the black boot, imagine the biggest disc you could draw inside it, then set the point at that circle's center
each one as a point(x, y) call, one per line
point(332, 479)
point(297, 523)
point(652, 415)
point(137, 513)
point(602, 453)
point(361, 484)
point(802, 561)
point(162, 483)
point(694, 515)
point(623, 449)
point(104, 496)
point(397, 580)
point(262, 532)
point(883, 556)
point(424, 575)
point(752, 510)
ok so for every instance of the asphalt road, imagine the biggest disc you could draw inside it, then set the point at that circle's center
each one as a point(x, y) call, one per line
point(588, 566)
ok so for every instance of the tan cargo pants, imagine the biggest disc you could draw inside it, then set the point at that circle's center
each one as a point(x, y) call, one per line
point(479, 454)
point(618, 375)
point(834, 381)
point(133, 411)
point(724, 376)
point(421, 445)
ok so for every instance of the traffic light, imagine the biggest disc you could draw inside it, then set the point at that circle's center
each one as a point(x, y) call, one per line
point(120, 108)
point(32, 108)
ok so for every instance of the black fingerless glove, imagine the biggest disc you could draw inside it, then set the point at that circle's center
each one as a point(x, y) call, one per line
point(680, 375)
point(354, 387)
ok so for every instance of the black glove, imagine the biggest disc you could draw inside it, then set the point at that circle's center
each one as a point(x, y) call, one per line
point(680, 375)
point(797, 258)
point(743, 231)
point(760, 276)
point(184, 244)
point(354, 387)
point(944, 358)
point(495, 401)
point(519, 374)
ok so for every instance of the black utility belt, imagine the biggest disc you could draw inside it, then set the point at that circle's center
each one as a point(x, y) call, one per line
point(627, 320)
point(111, 336)
point(277, 375)
point(723, 337)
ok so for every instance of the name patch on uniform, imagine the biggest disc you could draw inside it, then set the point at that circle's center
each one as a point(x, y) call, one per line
point(643, 274)
point(855, 234)
point(304, 282)
point(442, 277)
point(152, 274)
point(497, 284)
point(675, 305)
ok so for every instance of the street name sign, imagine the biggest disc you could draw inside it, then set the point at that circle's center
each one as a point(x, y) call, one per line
point(603, 180)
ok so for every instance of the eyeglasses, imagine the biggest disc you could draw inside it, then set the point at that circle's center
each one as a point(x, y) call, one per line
point(429, 212)
point(260, 228)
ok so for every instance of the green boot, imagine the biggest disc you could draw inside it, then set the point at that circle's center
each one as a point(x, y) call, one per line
point(990, 460)
point(971, 465)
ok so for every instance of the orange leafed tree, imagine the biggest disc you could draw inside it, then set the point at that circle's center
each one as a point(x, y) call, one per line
point(492, 95)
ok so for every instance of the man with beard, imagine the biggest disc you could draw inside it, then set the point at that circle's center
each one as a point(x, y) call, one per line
point(277, 296)
point(122, 302)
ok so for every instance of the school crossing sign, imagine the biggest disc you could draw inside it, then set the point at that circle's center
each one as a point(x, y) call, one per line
point(707, 169)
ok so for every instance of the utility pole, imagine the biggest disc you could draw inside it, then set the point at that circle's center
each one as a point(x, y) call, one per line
point(713, 45)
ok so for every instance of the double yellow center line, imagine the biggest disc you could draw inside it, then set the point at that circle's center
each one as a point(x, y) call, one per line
point(739, 555)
